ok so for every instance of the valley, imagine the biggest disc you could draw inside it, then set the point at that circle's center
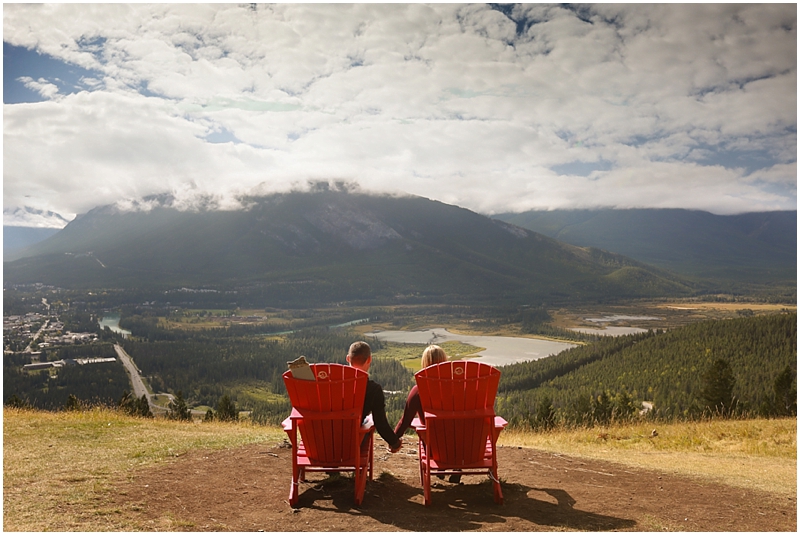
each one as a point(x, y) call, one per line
point(213, 303)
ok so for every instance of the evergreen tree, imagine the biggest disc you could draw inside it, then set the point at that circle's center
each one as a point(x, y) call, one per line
point(226, 410)
point(580, 410)
point(143, 407)
point(545, 413)
point(623, 406)
point(16, 402)
point(602, 408)
point(178, 410)
point(785, 393)
point(73, 403)
point(717, 391)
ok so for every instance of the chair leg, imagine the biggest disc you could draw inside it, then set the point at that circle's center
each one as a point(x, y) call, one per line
point(426, 485)
point(420, 445)
point(361, 483)
point(294, 489)
point(371, 453)
point(498, 492)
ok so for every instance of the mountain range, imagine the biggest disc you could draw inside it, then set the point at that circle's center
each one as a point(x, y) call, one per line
point(752, 247)
point(323, 247)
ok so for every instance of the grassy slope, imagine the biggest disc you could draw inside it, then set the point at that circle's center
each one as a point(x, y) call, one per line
point(59, 467)
point(758, 454)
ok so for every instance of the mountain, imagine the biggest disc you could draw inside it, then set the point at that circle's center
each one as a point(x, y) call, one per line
point(15, 239)
point(752, 247)
point(32, 217)
point(332, 246)
point(25, 226)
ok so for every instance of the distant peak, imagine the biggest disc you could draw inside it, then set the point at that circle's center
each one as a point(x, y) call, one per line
point(32, 217)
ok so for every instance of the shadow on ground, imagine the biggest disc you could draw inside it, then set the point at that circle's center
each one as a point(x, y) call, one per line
point(465, 507)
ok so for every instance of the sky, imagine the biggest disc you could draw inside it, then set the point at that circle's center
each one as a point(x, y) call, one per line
point(495, 108)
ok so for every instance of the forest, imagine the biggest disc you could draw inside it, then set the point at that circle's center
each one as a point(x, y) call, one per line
point(667, 372)
point(100, 383)
point(670, 370)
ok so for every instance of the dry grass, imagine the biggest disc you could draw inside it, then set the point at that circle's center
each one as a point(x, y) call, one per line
point(757, 454)
point(58, 466)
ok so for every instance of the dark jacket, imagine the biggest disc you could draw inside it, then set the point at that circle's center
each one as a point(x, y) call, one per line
point(375, 404)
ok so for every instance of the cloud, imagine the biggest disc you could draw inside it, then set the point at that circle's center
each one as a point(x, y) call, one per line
point(494, 109)
point(41, 86)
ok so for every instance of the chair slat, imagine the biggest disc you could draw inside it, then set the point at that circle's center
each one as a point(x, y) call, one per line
point(460, 426)
point(328, 413)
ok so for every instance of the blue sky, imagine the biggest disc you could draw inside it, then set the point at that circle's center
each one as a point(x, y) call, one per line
point(493, 108)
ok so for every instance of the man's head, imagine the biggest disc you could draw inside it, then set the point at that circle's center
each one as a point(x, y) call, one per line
point(360, 355)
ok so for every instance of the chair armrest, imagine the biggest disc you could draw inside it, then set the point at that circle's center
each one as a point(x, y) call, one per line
point(499, 422)
point(417, 424)
point(306, 414)
point(367, 425)
point(287, 424)
point(459, 415)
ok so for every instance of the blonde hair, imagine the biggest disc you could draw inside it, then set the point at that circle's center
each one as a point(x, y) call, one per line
point(433, 355)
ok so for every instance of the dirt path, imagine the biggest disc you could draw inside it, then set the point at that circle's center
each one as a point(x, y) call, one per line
point(246, 489)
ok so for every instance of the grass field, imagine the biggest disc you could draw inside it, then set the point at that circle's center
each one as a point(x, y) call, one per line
point(410, 355)
point(59, 467)
point(759, 454)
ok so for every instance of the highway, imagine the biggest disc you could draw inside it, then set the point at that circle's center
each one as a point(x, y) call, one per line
point(137, 383)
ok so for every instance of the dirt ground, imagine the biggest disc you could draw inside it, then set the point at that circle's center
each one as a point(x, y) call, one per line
point(246, 489)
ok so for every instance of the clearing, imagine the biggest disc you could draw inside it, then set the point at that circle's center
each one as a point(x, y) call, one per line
point(246, 488)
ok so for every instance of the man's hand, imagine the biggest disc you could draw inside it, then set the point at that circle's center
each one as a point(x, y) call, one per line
point(397, 446)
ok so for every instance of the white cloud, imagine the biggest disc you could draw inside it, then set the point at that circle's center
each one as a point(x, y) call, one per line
point(452, 102)
point(41, 86)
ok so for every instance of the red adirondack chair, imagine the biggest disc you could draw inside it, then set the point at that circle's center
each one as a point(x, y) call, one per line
point(327, 412)
point(460, 429)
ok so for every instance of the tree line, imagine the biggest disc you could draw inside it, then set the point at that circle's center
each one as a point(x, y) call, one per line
point(675, 372)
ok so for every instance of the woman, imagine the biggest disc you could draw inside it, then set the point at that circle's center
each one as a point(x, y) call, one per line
point(433, 354)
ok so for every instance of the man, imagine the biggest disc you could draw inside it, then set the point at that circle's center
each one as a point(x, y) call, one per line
point(360, 356)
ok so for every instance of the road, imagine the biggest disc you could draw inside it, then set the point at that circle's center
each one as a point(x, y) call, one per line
point(137, 383)
point(36, 337)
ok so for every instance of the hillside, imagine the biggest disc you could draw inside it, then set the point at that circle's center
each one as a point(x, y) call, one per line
point(161, 475)
point(326, 247)
point(752, 247)
point(15, 239)
point(664, 368)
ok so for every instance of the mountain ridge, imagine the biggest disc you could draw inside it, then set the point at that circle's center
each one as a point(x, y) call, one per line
point(333, 246)
point(743, 247)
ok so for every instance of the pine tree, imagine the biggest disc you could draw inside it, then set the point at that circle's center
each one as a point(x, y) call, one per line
point(143, 407)
point(545, 413)
point(717, 391)
point(602, 408)
point(785, 393)
point(178, 410)
point(226, 410)
point(73, 403)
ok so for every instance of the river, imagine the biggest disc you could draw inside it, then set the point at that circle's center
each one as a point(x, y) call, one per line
point(500, 350)
point(112, 322)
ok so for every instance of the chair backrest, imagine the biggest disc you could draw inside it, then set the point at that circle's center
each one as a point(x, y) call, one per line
point(460, 394)
point(332, 406)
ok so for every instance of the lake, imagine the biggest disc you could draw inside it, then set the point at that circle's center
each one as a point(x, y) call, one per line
point(614, 330)
point(112, 322)
point(500, 350)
